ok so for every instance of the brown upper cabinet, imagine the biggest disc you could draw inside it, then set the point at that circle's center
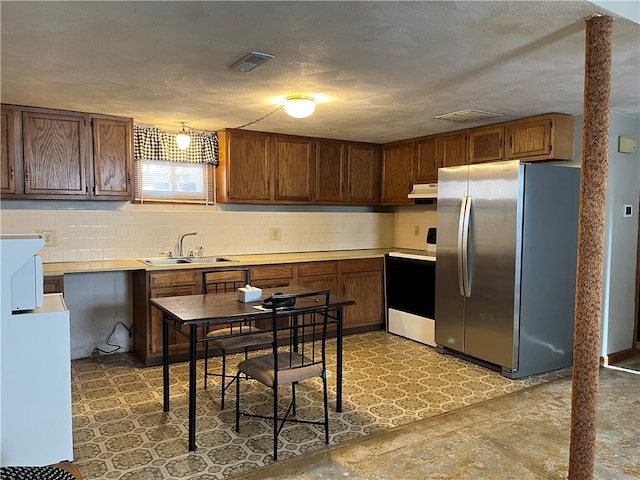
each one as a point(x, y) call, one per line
point(397, 172)
point(10, 147)
point(347, 172)
point(363, 174)
point(244, 171)
point(51, 154)
point(259, 167)
point(452, 149)
point(425, 169)
point(112, 143)
point(294, 169)
point(486, 144)
point(546, 137)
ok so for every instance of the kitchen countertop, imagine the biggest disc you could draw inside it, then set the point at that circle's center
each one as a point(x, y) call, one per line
point(60, 268)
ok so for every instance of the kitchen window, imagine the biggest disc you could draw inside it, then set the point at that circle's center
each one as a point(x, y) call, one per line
point(164, 173)
point(164, 181)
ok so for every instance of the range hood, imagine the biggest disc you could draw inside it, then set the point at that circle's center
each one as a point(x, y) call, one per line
point(424, 190)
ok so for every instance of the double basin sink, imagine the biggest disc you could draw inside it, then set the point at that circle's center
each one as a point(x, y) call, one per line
point(154, 262)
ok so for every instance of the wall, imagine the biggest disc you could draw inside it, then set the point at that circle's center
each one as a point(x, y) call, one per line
point(621, 235)
point(108, 230)
point(405, 221)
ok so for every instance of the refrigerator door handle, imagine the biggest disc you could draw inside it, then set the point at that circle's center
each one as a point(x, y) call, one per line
point(466, 290)
point(461, 249)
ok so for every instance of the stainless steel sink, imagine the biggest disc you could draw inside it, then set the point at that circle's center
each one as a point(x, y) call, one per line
point(165, 261)
point(210, 259)
point(154, 262)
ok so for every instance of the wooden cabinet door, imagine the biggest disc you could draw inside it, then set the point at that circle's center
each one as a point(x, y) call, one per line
point(362, 282)
point(426, 162)
point(54, 154)
point(320, 276)
point(112, 158)
point(272, 276)
point(244, 161)
point(486, 144)
point(453, 149)
point(169, 284)
point(363, 174)
point(293, 168)
point(530, 138)
point(547, 137)
point(397, 172)
point(331, 167)
point(10, 148)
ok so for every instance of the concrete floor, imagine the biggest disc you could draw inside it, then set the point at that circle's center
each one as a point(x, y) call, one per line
point(523, 435)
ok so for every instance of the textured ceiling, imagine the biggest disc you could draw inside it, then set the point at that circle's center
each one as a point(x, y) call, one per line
point(381, 71)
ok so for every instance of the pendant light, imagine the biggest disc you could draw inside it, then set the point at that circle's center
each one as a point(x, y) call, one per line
point(299, 106)
point(183, 139)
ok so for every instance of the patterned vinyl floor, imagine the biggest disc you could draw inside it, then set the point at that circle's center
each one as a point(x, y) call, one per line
point(120, 430)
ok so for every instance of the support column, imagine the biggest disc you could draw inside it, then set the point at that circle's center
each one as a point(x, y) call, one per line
point(593, 196)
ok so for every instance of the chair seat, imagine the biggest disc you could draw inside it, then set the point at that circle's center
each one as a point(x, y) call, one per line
point(243, 338)
point(261, 368)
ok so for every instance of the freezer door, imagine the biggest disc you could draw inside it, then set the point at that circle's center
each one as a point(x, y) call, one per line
point(493, 262)
point(449, 310)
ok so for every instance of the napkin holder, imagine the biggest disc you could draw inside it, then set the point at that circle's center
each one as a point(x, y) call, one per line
point(249, 294)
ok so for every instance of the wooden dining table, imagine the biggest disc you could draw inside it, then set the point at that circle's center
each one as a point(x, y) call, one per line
point(199, 311)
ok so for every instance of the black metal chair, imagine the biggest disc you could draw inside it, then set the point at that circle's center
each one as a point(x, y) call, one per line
point(299, 334)
point(245, 333)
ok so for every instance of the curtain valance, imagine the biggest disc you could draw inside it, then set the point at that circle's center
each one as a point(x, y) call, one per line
point(154, 144)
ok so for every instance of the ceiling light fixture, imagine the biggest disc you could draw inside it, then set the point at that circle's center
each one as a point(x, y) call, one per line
point(299, 106)
point(183, 139)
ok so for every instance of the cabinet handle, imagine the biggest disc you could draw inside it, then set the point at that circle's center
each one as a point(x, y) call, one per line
point(129, 177)
point(510, 141)
point(26, 174)
point(501, 142)
point(11, 174)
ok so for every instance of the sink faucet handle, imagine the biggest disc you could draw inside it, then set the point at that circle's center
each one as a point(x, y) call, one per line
point(169, 254)
point(201, 252)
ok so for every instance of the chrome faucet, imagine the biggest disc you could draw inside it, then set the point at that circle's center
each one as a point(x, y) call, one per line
point(180, 241)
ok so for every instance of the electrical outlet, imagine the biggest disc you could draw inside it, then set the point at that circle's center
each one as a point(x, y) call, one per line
point(50, 239)
point(274, 234)
point(416, 229)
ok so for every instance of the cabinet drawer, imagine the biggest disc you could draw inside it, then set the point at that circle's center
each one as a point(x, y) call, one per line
point(171, 279)
point(173, 291)
point(271, 271)
point(317, 268)
point(361, 265)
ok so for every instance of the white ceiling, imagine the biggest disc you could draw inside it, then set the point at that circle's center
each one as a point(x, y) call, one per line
point(381, 71)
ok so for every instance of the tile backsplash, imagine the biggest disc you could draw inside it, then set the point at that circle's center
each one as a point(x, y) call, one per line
point(108, 231)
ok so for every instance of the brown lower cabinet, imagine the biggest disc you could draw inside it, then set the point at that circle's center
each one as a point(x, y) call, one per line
point(53, 284)
point(359, 279)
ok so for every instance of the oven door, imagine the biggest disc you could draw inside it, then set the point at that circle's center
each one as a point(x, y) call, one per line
point(411, 298)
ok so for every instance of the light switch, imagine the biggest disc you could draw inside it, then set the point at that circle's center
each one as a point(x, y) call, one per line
point(627, 210)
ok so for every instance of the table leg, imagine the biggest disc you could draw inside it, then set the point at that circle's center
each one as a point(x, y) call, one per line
point(339, 361)
point(192, 386)
point(165, 362)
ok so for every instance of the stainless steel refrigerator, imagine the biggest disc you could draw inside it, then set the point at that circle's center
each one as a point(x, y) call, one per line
point(506, 265)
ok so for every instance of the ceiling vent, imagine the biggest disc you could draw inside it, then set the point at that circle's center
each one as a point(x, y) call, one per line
point(251, 61)
point(465, 116)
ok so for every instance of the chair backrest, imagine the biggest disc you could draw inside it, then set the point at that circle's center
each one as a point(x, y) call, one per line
point(227, 279)
point(300, 331)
